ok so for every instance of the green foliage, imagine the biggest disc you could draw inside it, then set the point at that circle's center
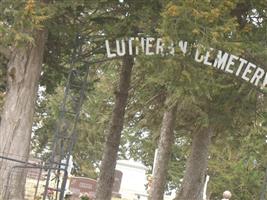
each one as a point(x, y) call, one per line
point(19, 19)
point(87, 21)
point(238, 164)
point(206, 97)
point(93, 121)
point(84, 197)
point(218, 100)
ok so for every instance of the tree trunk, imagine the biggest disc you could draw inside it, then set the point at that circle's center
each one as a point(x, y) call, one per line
point(24, 69)
point(164, 153)
point(108, 164)
point(264, 187)
point(196, 166)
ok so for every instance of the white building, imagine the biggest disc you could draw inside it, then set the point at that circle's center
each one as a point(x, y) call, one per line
point(134, 180)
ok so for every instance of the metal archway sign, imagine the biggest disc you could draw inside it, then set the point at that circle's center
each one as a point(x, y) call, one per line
point(218, 59)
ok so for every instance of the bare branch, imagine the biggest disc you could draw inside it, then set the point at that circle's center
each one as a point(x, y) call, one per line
point(5, 51)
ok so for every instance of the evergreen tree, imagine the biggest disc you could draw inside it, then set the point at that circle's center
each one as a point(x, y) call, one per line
point(23, 24)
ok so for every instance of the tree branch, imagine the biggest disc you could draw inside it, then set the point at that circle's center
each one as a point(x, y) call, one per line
point(5, 51)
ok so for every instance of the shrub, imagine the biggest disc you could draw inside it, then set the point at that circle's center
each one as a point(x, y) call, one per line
point(84, 196)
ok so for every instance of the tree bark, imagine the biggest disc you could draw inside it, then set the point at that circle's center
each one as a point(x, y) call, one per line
point(164, 153)
point(108, 164)
point(264, 187)
point(24, 69)
point(196, 167)
point(5, 51)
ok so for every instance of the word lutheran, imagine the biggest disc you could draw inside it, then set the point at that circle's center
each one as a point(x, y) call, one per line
point(217, 59)
point(146, 46)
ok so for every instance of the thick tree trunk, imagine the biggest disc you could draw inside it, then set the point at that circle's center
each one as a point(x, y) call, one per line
point(196, 166)
point(24, 69)
point(107, 169)
point(164, 153)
